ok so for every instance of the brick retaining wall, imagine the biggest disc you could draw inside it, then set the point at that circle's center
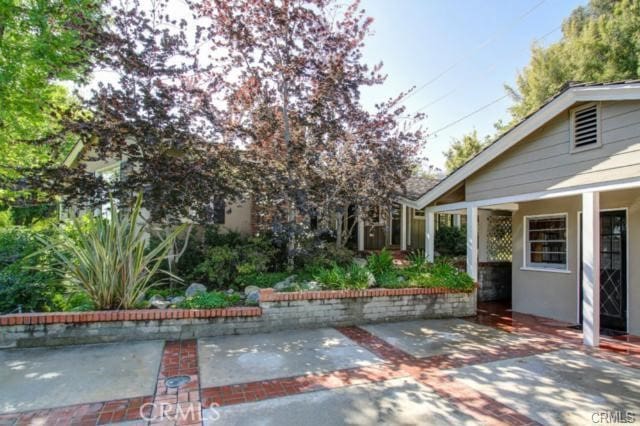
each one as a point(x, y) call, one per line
point(277, 311)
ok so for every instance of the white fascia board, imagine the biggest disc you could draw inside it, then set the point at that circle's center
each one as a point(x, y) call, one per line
point(561, 103)
point(543, 195)
point(407, 202)
point(71, 157)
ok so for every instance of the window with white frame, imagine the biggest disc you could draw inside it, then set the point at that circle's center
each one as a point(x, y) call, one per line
point(375, 215)
point(110, 175)
point(585, 127)
point(418, 213)
point(546, 242)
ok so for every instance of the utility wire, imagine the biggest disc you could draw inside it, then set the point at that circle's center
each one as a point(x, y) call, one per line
point(495, 36)
point(488, 70)
point(464, 117)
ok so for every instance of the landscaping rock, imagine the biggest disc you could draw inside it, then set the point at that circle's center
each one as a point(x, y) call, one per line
point(360, 261)
point(230, 291)
point(194, 289)
point(285, 284)
point(158, 302)
point(311, 286)
point(253, 298)
point(156, 298)
point(250, 289)
point(176, 300)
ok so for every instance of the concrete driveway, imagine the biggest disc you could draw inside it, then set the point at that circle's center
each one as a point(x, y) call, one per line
point(415, 372)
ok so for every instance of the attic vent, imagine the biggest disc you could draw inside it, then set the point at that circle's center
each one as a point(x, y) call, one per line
point(585, 130)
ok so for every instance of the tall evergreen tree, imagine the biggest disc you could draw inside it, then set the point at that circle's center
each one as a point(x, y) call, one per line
point(600, 42)
point(463, 149)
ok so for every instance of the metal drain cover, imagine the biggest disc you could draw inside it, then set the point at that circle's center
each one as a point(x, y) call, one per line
point(176, 381)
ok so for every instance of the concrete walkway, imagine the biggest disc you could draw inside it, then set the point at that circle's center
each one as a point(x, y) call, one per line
point(477, 371)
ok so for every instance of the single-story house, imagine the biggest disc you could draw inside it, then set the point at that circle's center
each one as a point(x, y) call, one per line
point(565, 185)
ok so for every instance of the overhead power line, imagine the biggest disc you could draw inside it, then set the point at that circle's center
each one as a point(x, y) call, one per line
point(495, 36)
point(464, 117)
point(487, 72)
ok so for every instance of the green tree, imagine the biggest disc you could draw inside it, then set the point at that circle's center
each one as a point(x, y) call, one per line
point(600, 42)
point(42, 44)
point(463, 149)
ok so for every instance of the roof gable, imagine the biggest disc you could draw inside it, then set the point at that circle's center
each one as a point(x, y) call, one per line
point(571, 95)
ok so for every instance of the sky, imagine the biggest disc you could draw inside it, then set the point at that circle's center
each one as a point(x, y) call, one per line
point(463, 52)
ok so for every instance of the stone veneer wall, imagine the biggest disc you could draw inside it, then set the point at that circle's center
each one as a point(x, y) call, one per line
point(494, 281)
point(277, 311)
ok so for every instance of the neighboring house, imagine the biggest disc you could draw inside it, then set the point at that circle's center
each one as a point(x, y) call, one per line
point(239, 216)
point(383, 226)
point(568, 176)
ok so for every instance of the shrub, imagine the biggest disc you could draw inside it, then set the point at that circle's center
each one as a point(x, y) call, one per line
point(379, 263)
point(108, 259)
point(261, 279)
point(333, 277)
point(211, 300)
point(390, 279)
point(357, 278)
point(26, 284)
point(451, 241)
point(316, 252)
point(440, 274)
point(336, 277)
point(219, 268)
point(78, 301)
point(417, 258)
point(218, 259)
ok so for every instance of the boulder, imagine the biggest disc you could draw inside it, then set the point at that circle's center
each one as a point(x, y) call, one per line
point(360, 261)
point(194, 289)
point(284, 284)
point(253, 298)
point(156, 298)
point(251, 289)
point(176, 300)
point(160, 304)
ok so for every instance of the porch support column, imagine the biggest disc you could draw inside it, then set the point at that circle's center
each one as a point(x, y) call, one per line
point(360, 233)
point(403, 228)
point(409, 221)
point(591, 268)
point(429, 231)
point(456, 220)
point(472, 243)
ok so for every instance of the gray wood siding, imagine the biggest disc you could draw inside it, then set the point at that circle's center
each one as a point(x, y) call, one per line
point(543, 160)
point(417, 234)
point(375, 237)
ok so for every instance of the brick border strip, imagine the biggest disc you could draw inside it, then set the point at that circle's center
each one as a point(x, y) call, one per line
point(270, 295)
point(274, 388)
point(132, 315)
point(178, 406)
point(475, 404)
point(95, 413)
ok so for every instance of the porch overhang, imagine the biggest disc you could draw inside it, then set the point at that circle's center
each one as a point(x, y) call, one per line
point(590, 252)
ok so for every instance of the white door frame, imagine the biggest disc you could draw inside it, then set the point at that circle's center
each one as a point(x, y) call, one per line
point(579, 248)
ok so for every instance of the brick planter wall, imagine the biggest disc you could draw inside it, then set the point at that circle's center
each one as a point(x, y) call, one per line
point(277, 311)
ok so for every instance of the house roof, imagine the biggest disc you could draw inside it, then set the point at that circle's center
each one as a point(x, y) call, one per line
point(416, 186)
point(570, 94)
